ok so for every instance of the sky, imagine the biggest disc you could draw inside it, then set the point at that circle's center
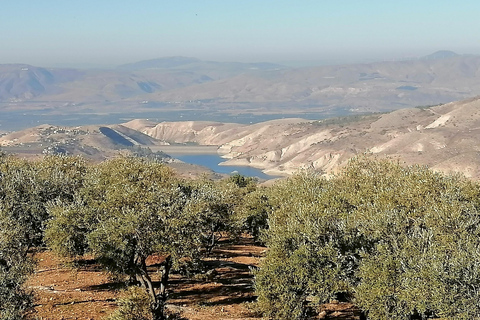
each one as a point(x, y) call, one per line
point(112, 32)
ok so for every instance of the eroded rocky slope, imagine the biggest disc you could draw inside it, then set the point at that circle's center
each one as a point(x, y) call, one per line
point(445, 137)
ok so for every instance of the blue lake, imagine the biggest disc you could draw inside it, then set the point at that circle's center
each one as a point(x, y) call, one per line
point(211, 161)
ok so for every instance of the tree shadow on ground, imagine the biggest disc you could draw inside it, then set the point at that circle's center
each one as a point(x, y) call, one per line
point(83, 301)
point(86, 264)
point(109, 286)
point(227, 282)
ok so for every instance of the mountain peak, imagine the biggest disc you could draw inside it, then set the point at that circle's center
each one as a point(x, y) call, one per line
point(442, 54)
point(159, 63)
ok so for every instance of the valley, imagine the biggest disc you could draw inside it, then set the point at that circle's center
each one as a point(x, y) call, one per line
point(239, 160)
point(443, 137)
point(181, 88)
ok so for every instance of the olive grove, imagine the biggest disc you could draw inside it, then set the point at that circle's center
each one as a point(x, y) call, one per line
point(400, 242)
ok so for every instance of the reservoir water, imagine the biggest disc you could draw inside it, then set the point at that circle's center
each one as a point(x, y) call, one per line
point(212, 161)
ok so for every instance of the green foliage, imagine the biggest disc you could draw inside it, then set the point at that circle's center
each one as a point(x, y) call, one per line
point(427, 106)
point(130, 208)
point(66, 232)
point(134, 204)
point(209, 210)
point(346, 120)
point(15, 267)
point(135, 305)
point(126, 210)
point(21, 196)
point(253, 213)
point(400, 241)
point(242, 181)
point(413, 217)
point(60, 176)
point(145, 152)
point(308, 243)
point(250, 205)
point(25, 189)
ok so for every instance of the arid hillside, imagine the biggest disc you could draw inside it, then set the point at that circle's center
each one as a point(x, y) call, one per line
point(380, 86)
point(94, 142)
point(444, 137)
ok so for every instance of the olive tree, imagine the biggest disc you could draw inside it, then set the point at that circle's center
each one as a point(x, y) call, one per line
point(15, 267)
point(210, 208)
point(130, 209)
point(20, 194)
point(422, 226)
point(27, 186)
point(253, 213)
point(400, 242)
point(310, 255)
point(25, 189)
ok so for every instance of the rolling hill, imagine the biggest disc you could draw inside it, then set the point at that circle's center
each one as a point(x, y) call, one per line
point(444, 137)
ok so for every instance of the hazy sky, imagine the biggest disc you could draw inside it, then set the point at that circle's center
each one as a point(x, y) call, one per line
point(111, 32)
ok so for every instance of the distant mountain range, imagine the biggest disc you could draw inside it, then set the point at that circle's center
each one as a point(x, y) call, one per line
point(196, 64)
point(183, 83)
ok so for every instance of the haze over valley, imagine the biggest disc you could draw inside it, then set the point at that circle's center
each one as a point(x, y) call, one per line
point(180, 88)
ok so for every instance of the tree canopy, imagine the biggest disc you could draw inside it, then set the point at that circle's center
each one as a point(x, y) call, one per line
point(25, 189)
point(400, 242)
point(129, 209)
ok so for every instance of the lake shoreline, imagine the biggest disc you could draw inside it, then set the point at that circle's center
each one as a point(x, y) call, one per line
point(173, 150)
point(215, 162)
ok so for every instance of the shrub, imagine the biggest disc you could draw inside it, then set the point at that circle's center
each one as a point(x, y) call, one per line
point(134, 305)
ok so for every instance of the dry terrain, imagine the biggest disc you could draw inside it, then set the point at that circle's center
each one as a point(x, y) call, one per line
point(65, 292)
point(445, 138)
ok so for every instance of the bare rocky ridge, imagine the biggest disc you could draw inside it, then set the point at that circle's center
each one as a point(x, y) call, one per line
point(445, 137)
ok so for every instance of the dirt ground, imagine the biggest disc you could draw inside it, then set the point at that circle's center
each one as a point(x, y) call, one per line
point(63, 291)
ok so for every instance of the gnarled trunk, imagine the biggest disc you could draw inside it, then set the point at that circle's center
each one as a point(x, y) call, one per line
point(158, 300)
